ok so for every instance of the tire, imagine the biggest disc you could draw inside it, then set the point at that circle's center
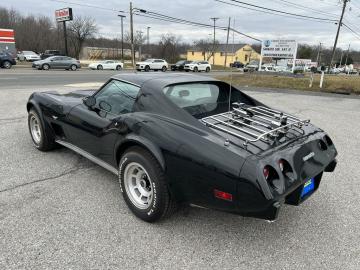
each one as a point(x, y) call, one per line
point(164, 68)
point(118, 67)
point(196, 69)
point(99, 67)
point(207, 69)
point(73, 67)
point(147, 69)
point(7, 64)
point(42, 137)
point(159, 203)
point(45, 67)
point(186, 70)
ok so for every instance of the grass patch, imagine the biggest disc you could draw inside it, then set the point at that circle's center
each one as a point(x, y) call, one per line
point(339, 83)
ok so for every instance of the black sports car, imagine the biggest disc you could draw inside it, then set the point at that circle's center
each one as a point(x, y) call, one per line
point(179, 65)
point(189, 139)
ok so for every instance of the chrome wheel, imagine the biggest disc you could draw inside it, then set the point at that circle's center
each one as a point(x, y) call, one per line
point(35, 129)
point(138, 185)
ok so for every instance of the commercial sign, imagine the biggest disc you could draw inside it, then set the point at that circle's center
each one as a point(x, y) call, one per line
point(63, 15)
point(7, 41)
point(279, 48)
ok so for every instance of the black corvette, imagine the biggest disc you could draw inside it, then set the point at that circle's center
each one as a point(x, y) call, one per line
point(185, 139)
point(179, 65)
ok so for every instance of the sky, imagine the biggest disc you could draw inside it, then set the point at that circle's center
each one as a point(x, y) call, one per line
point(259, 25)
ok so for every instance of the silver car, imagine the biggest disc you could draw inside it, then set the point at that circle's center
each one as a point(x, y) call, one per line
point(57, 62)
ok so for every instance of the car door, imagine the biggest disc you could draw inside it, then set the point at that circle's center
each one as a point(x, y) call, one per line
point(110, 64)
point(55, 62)
point(95, 130)
point(158, 64)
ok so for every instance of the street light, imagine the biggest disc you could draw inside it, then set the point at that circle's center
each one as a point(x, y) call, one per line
point(122, 36)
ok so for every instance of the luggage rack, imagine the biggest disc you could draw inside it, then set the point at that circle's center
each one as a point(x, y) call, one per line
point(255, 123)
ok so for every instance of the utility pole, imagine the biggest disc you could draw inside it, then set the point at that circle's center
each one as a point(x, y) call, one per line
point(132, 36)
point(347, 55)
point(122, 37)
point(227, 42)
point(341, 57)
point(337, 33)
point(318, 54)
point(148, 39)
point(140, 43)
point(214, 19)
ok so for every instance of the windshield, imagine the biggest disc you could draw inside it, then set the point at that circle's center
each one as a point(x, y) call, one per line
point(28, 52)
point(180, 62)
point(148, 60)
point(194, 62)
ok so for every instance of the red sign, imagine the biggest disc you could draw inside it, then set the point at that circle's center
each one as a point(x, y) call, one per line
point(64, 14)
point(7, 36)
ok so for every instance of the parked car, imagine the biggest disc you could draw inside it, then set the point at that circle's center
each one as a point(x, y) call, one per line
point(57, 62)
point(49, 53)
point(197, 66)
point(180, 65)
point(6, 60)
point(28, 56)
point(152, 64)
point(172, 139)
point(107, 64)
point(268, 69)
point(237, 64)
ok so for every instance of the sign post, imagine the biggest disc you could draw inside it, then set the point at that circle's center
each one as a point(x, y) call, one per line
point(64, 15)
point(279, 49)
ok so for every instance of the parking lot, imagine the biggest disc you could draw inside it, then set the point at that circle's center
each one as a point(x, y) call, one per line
point(60, 211)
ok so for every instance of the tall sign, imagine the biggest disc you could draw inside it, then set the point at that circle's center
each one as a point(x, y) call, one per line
point(7, 41)
point(279, 49)
point(63, 15)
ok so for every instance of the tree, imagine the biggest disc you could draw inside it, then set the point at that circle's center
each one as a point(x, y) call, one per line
point(206, 46)
point(81, 29)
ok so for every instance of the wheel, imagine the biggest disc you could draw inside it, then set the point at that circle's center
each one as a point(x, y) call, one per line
point(118, 67)
point(147, 69)
point(45, 67)
point(164, 68)
point(100, 67)
point(41, 136)
point(73, 67)
point(7, 64)
point(143, 185)
point(207, 69)
point(196, 69)
point(186, 70)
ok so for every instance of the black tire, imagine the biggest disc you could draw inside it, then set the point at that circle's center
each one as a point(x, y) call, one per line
point(187, 70)
point(196, 69)
point(118, 67)
point(164, 68)
point(147, 69)
point(162, 204)
point(73, 67)
point(99, 67)
point(45, 67)
point(7, 64)
point(47, 140)
point(207, 69)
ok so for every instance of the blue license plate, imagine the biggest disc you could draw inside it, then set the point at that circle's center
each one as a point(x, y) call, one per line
point(309, 187)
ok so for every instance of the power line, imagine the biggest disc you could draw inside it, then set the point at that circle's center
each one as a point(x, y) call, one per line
point(273, 13)
point(281, 12)
point(88, 5)
point(306, 8)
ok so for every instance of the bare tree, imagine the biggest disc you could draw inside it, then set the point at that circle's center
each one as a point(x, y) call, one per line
point(206, 46)
point(81, 29)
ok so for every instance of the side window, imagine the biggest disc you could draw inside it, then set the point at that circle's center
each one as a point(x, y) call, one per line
point(117, 97)
point(159, 61)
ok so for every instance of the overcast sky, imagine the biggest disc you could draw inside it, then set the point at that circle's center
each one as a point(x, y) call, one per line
point(259, 25)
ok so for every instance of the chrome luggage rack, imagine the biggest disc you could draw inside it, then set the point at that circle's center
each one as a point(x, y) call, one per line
point(256, 123)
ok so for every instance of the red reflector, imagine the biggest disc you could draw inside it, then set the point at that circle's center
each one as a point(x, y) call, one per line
point(266, 172)
point(222, 195)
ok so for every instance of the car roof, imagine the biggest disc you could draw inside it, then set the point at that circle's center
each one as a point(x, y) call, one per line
point(160, 80)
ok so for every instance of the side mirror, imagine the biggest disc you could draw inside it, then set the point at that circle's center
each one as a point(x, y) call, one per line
point(89, 101)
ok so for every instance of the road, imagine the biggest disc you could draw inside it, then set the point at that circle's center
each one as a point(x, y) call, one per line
point(26, 78)
point(60, 211)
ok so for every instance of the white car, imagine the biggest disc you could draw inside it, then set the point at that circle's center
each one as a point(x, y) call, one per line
point(107, 64)
point(197, 66)
point(152, 64)
point(28, 56)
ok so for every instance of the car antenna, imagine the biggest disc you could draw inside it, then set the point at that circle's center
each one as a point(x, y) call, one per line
point(227, 141)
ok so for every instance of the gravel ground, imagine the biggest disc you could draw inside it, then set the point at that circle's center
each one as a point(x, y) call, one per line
point(60, 211)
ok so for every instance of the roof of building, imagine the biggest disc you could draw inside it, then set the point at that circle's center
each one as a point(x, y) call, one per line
point(223, 47)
